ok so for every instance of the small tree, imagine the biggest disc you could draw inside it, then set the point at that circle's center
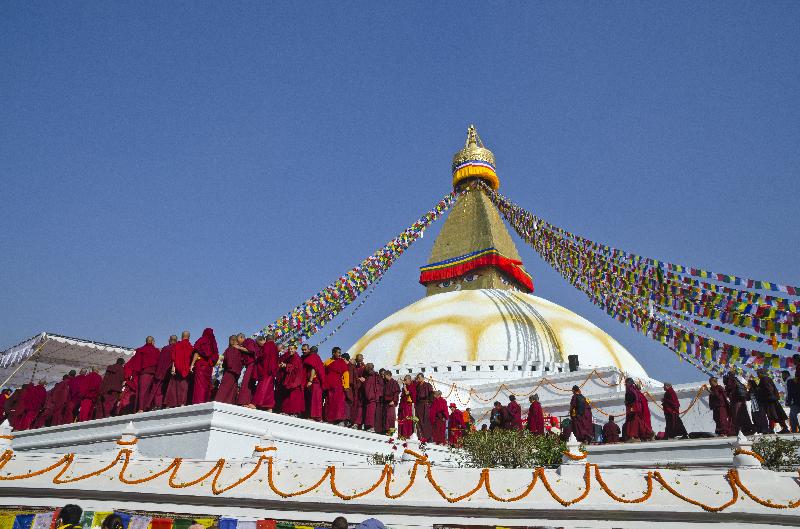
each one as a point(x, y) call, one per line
point(779, 453)
point(508, 449)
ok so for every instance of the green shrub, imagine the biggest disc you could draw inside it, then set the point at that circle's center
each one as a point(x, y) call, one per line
point(779, 453)
point(509, 449)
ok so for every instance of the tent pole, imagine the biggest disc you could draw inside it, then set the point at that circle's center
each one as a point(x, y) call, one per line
point(36, 352)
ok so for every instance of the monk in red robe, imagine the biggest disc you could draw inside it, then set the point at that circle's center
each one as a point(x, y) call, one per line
point(266, 368)
point(736, 392)
point(13, 407)
point(720, 408)
point(314, 382)
point(535, 422)
point(455, 426)
point(162, 373)
point(3, 398)
point(423, 407)
point(634, 427)
point(148, 359)
point(610, 431)
point(293, 382)
point(581, 414)
point(391, 394)
point(357, 380)
point(336, 369)
point(249, 349)
point(438, 418)
point(128, 398)
point(231, 371)
point(178, 386)
point(110, 389)
point(45, 417)
point(672, 416)
point(372, 390)
point(646, 419)
point(89, 391)
point(378, 425)
point(75, 382)
point(405, 411)
point(31, 403)
point(62, 403)
point(516, 413)
point(769, 400)
point(206, 356)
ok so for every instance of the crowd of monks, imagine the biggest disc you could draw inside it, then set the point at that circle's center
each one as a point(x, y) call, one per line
point(257, 373)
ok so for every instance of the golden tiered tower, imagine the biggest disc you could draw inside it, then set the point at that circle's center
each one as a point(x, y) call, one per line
point(474, 249)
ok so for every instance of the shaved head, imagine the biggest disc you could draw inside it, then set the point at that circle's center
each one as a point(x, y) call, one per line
point(150, 340)
point(173, 339)
point(185, 335)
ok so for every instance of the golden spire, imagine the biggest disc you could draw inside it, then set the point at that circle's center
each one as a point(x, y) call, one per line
point(474, 161)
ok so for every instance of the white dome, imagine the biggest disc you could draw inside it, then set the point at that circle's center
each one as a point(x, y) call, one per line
point(490, 325)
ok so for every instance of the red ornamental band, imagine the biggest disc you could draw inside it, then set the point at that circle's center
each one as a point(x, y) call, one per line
point(459, 266)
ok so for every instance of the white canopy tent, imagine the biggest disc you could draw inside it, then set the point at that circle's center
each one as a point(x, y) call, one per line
point(50, 356)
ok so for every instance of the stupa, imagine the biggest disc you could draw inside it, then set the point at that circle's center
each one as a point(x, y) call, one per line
point(479, 320)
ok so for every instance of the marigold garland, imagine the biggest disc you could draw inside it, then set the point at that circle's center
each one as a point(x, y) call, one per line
point(386, 477)
point(748, 453)
point(574, 457)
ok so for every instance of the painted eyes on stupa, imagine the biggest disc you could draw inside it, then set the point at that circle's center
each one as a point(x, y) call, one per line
point(445, 284)
point(470, 278)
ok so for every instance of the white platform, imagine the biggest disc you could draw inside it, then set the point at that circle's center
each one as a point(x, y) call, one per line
point(214, 430)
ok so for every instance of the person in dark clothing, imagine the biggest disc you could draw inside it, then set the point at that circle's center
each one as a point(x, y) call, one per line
point(769, 400)
point(500, 418)
point(69, 517)
point(793, 400)
point(737, 398)
point(760, 421)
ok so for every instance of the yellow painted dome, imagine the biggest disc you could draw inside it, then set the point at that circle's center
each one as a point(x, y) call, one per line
point(490, 325)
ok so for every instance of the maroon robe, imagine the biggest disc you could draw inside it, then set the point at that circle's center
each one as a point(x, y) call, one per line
point(405, 410)
point(438, 420)
point(720, 409)
point(379, 407)
point(249, 381)
point(581, 414)
point(672, 407)
point(161, 376)
point(110, 390)
point(231, 370)
point(207, 356)
point(737, 397)
point(89, 391)
point(423, 411)
point(769, 400)
point(516, 415)
point(12, 407)
point(74, 393)
point(372, 391)
point(127, 400)
point(634, 427)
point(31, 403)
point(357, 391)
point(646, 420)
point(313, 393)
point(148, 359)
point(266, 368)
point(391, 394)
point(610, 433)
point(46, 416)
point(3, 399)
point(335, 401)
point(455, 426)
point(293, 382)
point(62, 403)
point(178, 385)
point(535, 423)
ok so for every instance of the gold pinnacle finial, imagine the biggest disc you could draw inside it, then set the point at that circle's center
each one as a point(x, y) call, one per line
point(474, 161)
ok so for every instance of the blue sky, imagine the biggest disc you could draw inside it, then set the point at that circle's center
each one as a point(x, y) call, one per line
point(188, 164)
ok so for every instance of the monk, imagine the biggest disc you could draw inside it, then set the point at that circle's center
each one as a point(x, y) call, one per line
point(357, 380)
point(45, 417)
point(31, 403)
point(372, 390)
point(62, 404)
point(737, 398)
point(89, 391)
point(249, 349)
point(718, 402)
point(162, 373)
point(231, 370)
point(535, 423)
point(293, 382)
point(336, 370)
point(13, 407)
point(455, 426)
point(315, 382)
point(148, 358)
point(405, 421)
point(391, 395)
point(266, 368)
point(634, 428)
point(610, 431)
point(581, 414)
point(672, 407)
point(128, 399)
point(75, 382)
point(110, 389)
point(646, 419)
point(423, 407)
point(438, 417)
point(769, 400)
point(380, 405)
point(516, 413)
point(178, 386)
point(3, 397)
point(499, 417)
point(206, 356)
